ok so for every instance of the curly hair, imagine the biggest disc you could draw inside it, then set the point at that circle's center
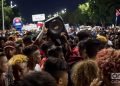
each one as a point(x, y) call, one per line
point(18, 59)
point(109, 62)
point(83, 73)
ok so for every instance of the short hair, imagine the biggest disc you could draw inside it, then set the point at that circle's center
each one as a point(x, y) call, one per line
point(54, 51)
point(29, 50)
point(109, 62)
point(83, 35)
point(27, 39)
point(45, 46)
point(84, 72)
point(55, 66)
point(38, 79)
point(89, 44)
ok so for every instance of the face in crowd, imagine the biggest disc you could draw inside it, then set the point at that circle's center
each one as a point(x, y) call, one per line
point(19, 66)
point(3, 63)
point(33, 54)
point(10, 49)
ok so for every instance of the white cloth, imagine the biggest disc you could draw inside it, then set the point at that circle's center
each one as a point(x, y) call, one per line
point(37, 68)
point(110, 43)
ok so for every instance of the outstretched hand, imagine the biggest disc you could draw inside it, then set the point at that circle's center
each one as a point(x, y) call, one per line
point(96, 82)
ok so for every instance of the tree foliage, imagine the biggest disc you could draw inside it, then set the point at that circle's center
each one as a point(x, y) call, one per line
point(9, 14)
point(94, 11)
point(104, 10)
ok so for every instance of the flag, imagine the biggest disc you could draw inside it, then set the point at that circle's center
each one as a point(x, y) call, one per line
point(117, 12)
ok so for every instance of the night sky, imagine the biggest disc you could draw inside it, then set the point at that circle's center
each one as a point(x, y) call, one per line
point(29, 7)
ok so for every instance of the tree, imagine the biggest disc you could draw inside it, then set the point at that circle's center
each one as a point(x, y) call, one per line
point(103, 11)
point(9, 15)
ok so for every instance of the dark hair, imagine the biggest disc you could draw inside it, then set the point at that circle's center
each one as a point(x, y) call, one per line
point(27, 40)
point(54, 51)
point(91, 46)
point(29, 50)
point(38, 79)
point(45, 46)
point(83, 35)
point(56, 67)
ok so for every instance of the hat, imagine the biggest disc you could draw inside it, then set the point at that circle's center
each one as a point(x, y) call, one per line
point(10, 44)
point(19, 40)
point(102, 38)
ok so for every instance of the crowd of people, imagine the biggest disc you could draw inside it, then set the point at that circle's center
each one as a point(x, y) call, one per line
point(85, 58)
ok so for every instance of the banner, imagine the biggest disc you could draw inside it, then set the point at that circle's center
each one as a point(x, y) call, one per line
point(17, 22)
point(38, 17)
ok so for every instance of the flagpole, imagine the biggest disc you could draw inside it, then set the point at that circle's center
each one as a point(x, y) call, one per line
point(116, 21)
point(3, 20)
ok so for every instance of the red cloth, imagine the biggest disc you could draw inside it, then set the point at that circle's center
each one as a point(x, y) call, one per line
point(75, 51)
point(117, 12)
point(42, 62)
point(74, 57)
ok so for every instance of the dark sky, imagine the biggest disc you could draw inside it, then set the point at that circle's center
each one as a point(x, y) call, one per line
point(29, 7)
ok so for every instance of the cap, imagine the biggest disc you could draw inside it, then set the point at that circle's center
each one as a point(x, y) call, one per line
point(10, 44)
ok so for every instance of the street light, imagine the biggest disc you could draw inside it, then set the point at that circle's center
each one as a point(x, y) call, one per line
point(63, 11)
point(3, 14)
point(3, 21)
point(11, 4)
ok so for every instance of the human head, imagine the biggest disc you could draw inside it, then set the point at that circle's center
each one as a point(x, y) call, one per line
point(11, 38)
point(33, 53)
point(82, 35)
point(27, 40)
point(89, 47)
point(19, 45)
point(55, 51)
point(19, 65)
point(103, 41)
point(38, 79)
point(58, 69)
point(10, 49)
point(83, 73)
point(3, 63)
point(109, 62)
point(45, 46)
